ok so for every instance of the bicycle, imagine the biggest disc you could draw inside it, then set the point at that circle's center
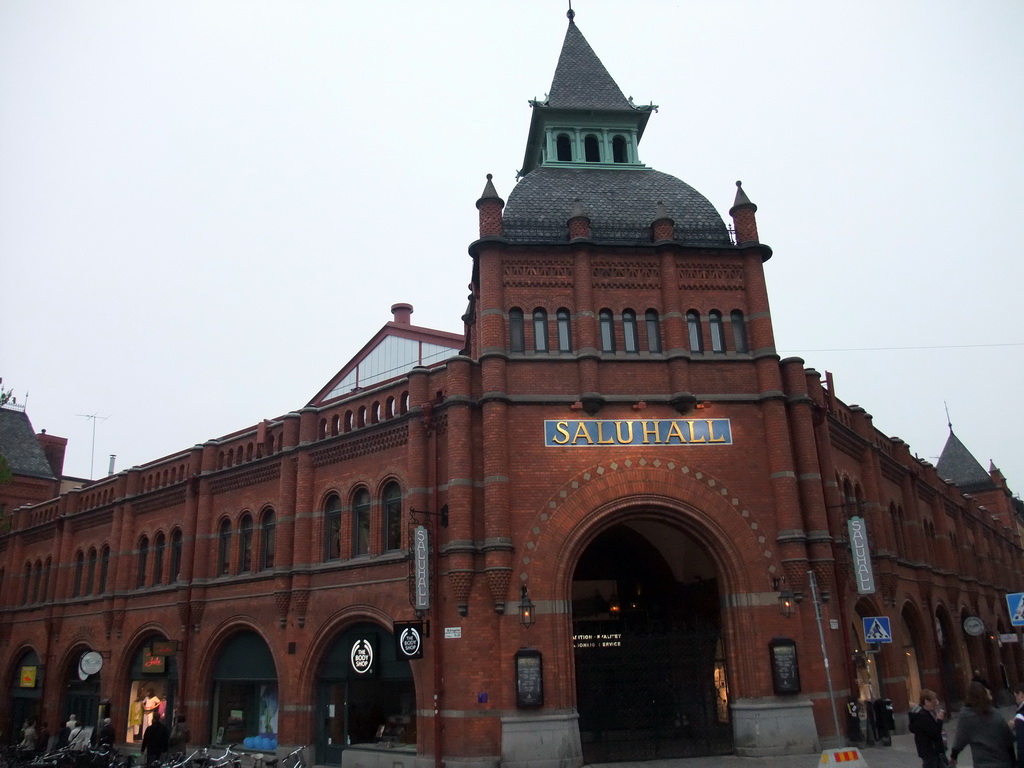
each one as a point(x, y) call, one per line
point(296, 756)
point(230, 758)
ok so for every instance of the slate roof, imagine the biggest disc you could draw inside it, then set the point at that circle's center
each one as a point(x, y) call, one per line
point(581, 80)
point(620, 203)
point(957, 464)
point(18, 444)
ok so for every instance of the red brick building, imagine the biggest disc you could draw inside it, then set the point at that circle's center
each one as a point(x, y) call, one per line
point(595, 506)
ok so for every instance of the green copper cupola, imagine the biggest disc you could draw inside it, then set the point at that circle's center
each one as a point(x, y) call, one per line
point(584, 121)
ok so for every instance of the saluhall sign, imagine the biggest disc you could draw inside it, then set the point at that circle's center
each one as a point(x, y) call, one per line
point(598, 432)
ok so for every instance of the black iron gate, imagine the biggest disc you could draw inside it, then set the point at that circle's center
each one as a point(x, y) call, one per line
point(651, 693)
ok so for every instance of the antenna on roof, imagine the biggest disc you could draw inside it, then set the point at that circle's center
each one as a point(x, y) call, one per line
point(92, 456)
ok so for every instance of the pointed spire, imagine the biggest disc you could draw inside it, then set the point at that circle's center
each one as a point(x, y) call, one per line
point(490, 205)
point(744, 221)
point(581, 80)
point(958, 465)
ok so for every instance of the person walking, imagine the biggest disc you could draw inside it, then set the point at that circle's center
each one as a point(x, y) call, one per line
point(27, 746)
point(926, 721)
point(1016, 723)
point(983, 730)
point(155, 740)
point(105, 735)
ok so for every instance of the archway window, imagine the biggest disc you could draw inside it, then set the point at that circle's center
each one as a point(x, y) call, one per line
point(693, 329)
point(630, 332)
point(717, 334)
point(516, 333)
point(245, 535)
point(36, 579)
point(739, 331)
point(653, 331)
point(336, 424)
point(27, 585)
point(361, 418)
point(349, 420)
point(268, 539)
point(332, 528)
point(159, 546)
point(606, 321)
point(563, 147)
point(90, 571)
point(361, 523)
point(392, 517)
point(76, 590)
point(140, 572)
point(45, 594)
point(592, 149)
point(104, 569)
point(540, 330)
point(619, 150)
point(224, 548)
point(564, 331)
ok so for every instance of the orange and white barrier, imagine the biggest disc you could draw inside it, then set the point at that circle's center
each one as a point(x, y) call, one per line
point(849, 757)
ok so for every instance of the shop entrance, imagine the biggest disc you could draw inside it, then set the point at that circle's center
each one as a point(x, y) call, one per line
point(650, 664)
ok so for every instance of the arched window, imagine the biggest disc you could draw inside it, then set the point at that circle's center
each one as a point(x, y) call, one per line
point(619, 151)
point(45, 594)
point(606, 323)
point(516, 333)
point(361, 418)
point(653, 331)
point(332, 528)
point(224, 548)
point(540, 330)
point(80, 572)
point(592, 149)
point(563, 147)
point(90, 572)
point(159, 547)
point(630, 332)
point(392, 504)
point(739, 331)
point(245, 544)
point(693, 329)
point(349, 420)
point(104, 569)
point(361, 522)
point(717, 333)
point(37, 579)
point(175, 555)
point(140, 571)
point(268, 539)
point(335, 424)
point(564, 331)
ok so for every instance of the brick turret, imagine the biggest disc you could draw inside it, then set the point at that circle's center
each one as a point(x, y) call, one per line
point(743, 218)
point(490, 206)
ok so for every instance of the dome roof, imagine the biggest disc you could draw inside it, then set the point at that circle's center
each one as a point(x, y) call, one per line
point(620, 203)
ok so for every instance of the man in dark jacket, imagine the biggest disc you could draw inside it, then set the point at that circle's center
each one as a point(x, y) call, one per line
point(1017, 723)
point(926, 722)
point(155, 740)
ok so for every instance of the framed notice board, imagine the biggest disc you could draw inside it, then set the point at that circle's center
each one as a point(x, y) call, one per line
point(529, 678)
point(785, 669)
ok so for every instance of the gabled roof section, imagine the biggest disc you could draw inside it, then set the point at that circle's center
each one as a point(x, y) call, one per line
point(581, 80)
point(19, 445)
point(958, 465)
point(394, 350)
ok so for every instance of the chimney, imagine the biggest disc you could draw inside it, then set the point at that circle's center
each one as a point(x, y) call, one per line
point(110, 467)
point(402, 313)
point(54, 449)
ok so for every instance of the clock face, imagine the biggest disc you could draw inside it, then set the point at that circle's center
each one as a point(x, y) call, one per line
point(90, 663)
point(974, 626)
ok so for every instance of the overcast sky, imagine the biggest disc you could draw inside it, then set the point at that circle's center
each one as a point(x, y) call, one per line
point(206, 208)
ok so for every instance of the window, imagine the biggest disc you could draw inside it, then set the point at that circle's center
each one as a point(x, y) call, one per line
point(516, 335)
point(104, 569)
point(619, 152)
point(332, 528)
point(224, 548)
point(392, 517)
point(27, 584)
point(739, 331)
point(140, 573)
point(175, 555)
point(90, 571)
point(592, 149)
point(606, 321)
point(268, 539)
point(693, 328)
point(36, 579)
point(46, 580)
point(76, 590)
point(563, 147)
point(540, 330)
point(564, 331)
point(630, 333)
point(245, 544)
point(717, 335)
point(361, 523)
point(159, 546)
point(653, 331)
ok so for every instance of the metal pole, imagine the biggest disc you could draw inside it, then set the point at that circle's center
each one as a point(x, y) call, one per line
point(824, 654)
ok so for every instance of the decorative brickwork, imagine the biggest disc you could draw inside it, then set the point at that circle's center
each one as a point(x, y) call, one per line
point(498, 580)
point(528, 273)
point(383, 440)
point(632, 274)
point(246, 478)
point(157, 501)
point(711, 276)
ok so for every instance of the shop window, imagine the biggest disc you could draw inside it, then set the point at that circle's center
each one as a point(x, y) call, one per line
point(564, 331)
point(392, 505)
point(653, 331)
point(361, 522)
point(619, 151)
point(104, 569)
point(739, 331)
point(244, 706)
point(159, 546)
point(592, 149)
point(694, 332)
point(140, 572)
point(563, 147)
point(332, 528)
point(245, 534)
point(540, 330)
point(717, 335)
point(268, 539)
point(516, 332)
point(175, 555)
point(224, 548)
point(630, 332)
point(606, 322)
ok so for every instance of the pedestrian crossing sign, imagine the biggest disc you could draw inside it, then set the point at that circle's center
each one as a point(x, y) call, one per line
point(876, 629)
point(1015, 602)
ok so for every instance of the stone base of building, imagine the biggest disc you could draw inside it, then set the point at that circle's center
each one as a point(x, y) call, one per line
point(372, 756)
point(774, 726)
point(541, 741)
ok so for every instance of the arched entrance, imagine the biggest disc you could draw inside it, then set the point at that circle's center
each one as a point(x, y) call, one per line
point(245, 698)
point(650, 666)
point(912, 636)
point(944, 638)
point(25, 694)
point(152, 688)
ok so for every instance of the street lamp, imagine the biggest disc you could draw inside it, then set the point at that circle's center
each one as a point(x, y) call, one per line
point(787, 599)
point(525, 608)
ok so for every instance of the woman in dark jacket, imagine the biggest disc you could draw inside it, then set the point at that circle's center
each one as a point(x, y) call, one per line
point(981, 728)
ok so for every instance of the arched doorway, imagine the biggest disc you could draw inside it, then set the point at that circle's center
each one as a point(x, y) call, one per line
point(947, 652)
point(912, 637)
point(245, 693)
point(152, 688)
point(25, 694)
point(650, 665)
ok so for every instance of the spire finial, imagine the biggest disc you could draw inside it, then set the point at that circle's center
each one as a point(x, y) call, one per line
point(571, 14)
point(949, 421)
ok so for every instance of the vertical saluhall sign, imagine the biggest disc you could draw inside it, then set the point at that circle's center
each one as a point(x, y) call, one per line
point(421, 568)
point(858, 530)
